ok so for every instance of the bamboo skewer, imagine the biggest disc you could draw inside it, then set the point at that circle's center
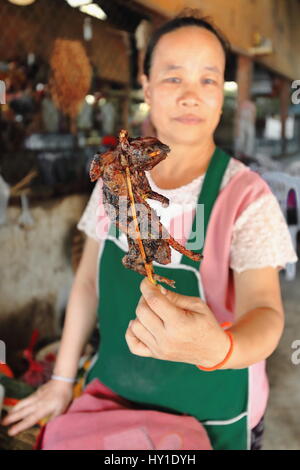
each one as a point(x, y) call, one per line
point(148, 266)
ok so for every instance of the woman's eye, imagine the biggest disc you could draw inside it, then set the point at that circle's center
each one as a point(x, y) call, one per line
point(209, 81)
point(172, 80)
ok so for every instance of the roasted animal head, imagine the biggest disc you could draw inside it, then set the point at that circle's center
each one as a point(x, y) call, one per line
point(143, 153)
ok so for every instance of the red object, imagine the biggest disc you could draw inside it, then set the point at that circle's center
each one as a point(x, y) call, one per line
point(10, 401)
point(39, 439)
point(225, 359)
point(50, 357)
point(38, 371)
point(109, 141)
point(6, 370)
point(34, 366)
point(226, 324)
point(292, 200)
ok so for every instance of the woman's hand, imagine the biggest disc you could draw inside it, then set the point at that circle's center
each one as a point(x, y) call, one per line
point(51, 399)
point(176, 328)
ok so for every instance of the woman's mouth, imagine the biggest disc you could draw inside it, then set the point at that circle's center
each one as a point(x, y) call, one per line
point(190, 119)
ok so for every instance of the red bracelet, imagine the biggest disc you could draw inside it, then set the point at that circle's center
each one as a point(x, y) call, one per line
point(226, 357)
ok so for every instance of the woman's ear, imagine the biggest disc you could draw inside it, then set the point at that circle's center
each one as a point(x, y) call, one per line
point(146, 88)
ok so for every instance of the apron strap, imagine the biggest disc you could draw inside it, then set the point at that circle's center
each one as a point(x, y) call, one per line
point(207, 197)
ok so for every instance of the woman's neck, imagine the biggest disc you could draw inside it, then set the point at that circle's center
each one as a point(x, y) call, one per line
point(182, 165)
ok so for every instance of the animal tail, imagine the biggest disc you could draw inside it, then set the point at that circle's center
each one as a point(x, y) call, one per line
point(189, 253)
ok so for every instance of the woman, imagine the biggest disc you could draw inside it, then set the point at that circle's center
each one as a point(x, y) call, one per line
point(160, 358)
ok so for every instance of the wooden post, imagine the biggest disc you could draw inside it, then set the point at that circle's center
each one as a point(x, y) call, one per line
point(244, 76)
point(126, 99)
point(125, 109)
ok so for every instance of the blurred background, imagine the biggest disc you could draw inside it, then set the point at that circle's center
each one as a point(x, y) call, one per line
point(70, 80)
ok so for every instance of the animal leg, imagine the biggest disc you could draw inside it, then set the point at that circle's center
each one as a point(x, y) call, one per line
point(158, 197)
point(189, 253)
point(147, 190)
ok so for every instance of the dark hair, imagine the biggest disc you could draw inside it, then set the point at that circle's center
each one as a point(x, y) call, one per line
point(180, 22)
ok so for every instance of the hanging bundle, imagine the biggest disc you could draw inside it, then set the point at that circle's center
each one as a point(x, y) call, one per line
point(71, 75)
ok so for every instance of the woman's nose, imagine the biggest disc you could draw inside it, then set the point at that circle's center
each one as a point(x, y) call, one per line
point(189, 99)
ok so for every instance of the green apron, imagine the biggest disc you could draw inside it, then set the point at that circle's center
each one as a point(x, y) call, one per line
point(218, 399)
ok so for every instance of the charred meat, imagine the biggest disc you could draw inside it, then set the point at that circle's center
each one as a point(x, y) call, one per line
point(125, 186)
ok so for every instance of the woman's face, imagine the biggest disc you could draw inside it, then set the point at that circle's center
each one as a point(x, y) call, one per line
point(185, 87)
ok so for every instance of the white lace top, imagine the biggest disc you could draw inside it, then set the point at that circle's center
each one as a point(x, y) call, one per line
point(260, 235)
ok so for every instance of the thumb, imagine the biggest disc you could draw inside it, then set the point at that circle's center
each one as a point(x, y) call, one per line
point(187, 302)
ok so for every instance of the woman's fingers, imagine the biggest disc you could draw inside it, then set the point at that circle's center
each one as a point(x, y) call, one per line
point(18, 415)
point(27, 417)
point(167, 304)
point(148, 318)
point(22, 404)
point(142, 333)
point(26, 423)
point(19, 406)
point(135, 345)
point(47, 402)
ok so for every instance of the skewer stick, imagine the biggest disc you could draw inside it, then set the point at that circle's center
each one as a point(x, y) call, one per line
point(148, 266)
